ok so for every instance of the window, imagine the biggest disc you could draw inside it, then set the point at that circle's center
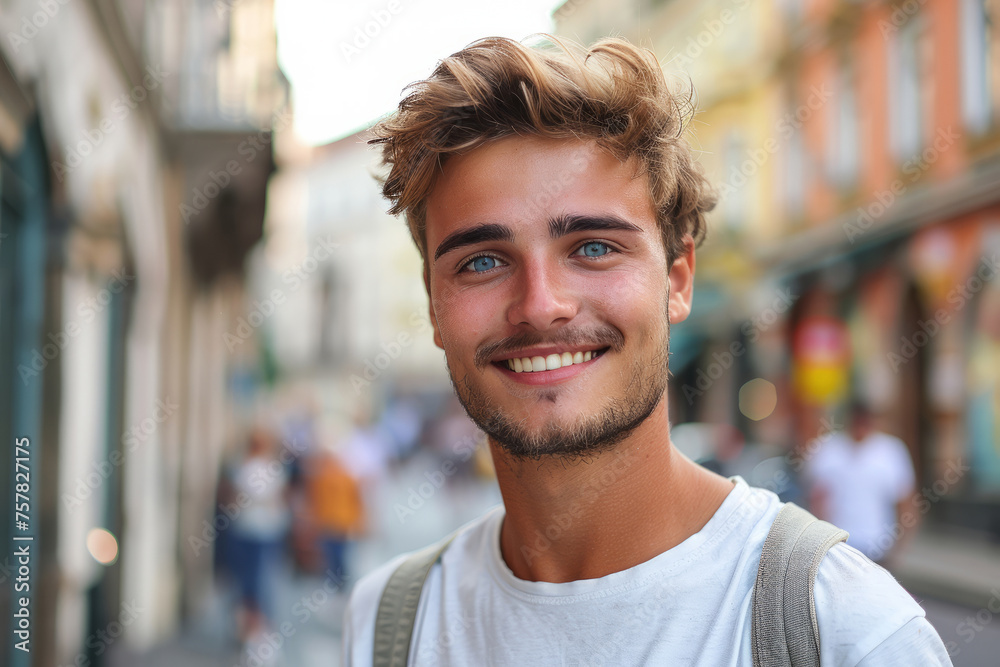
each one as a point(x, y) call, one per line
point(980, 63)
point(790, 186)
point(908, 88)
point(739, 171)
point(792, 9)
point(842, 154)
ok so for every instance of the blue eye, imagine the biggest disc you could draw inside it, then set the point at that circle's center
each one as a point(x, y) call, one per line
point(594, 249)
point(480, 264)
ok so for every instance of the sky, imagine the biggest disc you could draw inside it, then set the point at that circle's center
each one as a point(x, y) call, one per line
point(349, 60)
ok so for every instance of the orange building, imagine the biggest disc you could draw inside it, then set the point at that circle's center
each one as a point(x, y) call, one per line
point(892, 229)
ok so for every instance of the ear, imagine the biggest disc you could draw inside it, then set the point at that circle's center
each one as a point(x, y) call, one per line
point(682, 283)
point(430, 306)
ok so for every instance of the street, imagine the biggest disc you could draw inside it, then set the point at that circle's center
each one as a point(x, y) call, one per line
point(308, 612)
point(970, 635)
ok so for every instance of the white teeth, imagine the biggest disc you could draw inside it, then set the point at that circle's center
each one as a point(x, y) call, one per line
point(549, 363)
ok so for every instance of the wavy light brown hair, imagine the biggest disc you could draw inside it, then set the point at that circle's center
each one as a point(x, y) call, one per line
point(613, 92)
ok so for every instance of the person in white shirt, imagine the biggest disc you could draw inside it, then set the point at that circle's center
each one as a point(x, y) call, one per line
point(863, 481)
point(557, 206)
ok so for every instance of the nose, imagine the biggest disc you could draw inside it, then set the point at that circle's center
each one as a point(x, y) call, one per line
point(542, 299)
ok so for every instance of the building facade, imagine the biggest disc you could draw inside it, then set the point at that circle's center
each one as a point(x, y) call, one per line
point(135, 152)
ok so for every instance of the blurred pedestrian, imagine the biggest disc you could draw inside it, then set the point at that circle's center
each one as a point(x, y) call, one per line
point(862, 481)
point(365, 450)
point(260, 480)
point(336, 510)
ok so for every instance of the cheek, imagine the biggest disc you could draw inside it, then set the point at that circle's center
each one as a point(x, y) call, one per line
point(628, 296)
point(463, 319)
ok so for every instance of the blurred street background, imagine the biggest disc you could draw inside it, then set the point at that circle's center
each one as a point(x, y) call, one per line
point(215, 341)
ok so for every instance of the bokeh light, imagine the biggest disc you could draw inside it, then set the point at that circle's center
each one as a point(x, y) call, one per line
point(758, 398)
point(102, 545)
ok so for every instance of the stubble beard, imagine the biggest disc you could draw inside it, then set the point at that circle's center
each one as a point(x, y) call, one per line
point(614, 422)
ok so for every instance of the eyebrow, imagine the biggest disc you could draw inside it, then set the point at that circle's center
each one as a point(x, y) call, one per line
point(489, 231)
point(559, 226)
point(571, 224)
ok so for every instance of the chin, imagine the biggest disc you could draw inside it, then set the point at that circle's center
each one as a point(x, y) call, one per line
point(565, 436)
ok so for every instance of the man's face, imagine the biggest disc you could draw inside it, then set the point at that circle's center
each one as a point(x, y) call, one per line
point(548, 250)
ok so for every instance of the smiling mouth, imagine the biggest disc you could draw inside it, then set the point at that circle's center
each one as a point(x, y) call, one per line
point(550, 362)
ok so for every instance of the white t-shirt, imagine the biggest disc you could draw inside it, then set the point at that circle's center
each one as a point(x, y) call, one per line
point(263, 481)
point(691, 605)
point(863, 483)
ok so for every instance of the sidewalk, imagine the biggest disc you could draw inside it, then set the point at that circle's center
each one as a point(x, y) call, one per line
point(952, 567)
point(305, 633)
point(186, 651)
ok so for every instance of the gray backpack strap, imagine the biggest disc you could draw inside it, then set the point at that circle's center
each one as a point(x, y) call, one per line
point(784, 632)
point(397, 610)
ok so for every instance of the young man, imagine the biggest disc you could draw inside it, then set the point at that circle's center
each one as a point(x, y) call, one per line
point(557, 208)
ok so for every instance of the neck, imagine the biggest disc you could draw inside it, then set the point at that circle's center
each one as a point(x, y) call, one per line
point(589, 518)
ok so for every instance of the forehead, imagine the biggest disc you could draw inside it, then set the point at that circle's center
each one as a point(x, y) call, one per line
point(528, 180)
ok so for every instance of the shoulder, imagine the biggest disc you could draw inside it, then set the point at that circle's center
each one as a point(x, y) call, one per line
point(863, 612)
point(892, 445)
point(359, 616)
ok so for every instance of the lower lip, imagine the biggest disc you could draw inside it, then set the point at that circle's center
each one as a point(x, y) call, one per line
point(546, 377)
